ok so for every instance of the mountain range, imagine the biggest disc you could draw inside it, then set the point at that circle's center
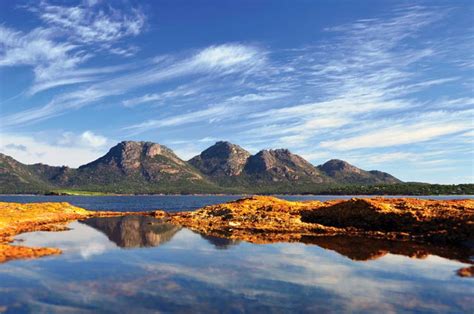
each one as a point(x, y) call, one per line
point(146, 167)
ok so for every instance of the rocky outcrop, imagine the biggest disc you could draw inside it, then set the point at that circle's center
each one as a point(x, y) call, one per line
point(268, 218)
point(281, 165)
point(143, 167)
point(148, 159)
point(342, 171)
point(18, 218)
point(221, 160)
point(437, 221)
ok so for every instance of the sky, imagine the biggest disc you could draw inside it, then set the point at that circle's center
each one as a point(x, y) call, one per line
point(384, 85)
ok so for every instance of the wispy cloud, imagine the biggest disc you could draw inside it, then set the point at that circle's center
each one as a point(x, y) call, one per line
point(180, 91)
point(57, 48)
point(210, 114)
point(216, 60)
point(422, 129)
point(87, 25)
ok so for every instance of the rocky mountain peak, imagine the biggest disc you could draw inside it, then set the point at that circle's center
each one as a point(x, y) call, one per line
point(221, 159)
point(336, 165)
point(134, 150)
point(268, 159)
point(224, 149)
point(282, 165)
point(342, 171)
point(130, 155)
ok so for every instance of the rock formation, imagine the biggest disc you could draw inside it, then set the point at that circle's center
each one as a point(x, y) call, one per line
point(342, 171)
point(221, 160)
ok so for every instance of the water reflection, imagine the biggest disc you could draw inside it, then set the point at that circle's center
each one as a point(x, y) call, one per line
point(365, 249)
point(191, 273)
point(220, 243)
point(134, 231)
point(80, 240)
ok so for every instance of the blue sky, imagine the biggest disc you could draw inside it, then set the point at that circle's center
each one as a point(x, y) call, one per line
point(381, 84)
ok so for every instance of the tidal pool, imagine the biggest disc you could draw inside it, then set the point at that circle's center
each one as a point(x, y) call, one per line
point(138, 264)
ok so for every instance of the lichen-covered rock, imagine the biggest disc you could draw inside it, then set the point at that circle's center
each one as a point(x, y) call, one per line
point(270, 218)
point(17, 218)
point(449, 221)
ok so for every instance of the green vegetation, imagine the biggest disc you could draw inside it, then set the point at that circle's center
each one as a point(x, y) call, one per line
point(76, 192)
point(353, 189)
point(364, 189)
point(409, 188)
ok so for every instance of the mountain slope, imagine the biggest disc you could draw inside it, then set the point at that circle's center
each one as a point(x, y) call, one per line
point(140, 167)
point(345, 173)
point(221, 159)
point(280, 165)
point(16, 177)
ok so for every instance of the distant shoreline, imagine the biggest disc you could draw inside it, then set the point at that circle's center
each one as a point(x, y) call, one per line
point(245, 195)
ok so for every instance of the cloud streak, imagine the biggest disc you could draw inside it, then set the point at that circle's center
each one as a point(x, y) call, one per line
point(56, 49)
point(218, 60)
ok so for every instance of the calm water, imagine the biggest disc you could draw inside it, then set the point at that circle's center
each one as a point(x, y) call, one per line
point(140, 265)
point(169, 203)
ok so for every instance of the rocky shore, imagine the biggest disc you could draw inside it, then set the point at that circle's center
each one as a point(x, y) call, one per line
point(18, 218)
point(441, 225)
point(261, 219)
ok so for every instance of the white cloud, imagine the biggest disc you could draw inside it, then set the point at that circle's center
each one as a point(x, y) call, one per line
point(132, 102)
point(210, 114)
point(388, 157)
point(252, 97)
point(91, 25)
point(85, 139)
point(36, 48)
point(181, 91)
point(90, 139)
point(397, 135)
point(70, 150)
point(68, 76)
point(227, 56)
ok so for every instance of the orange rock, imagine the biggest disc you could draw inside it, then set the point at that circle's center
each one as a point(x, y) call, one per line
point(264, 218)
point(17, 218)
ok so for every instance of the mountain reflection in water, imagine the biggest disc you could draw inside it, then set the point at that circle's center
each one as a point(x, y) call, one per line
point(220, 243)
point(202, 273)
point(144, 231)
point(134, 231)
point(365, 249)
